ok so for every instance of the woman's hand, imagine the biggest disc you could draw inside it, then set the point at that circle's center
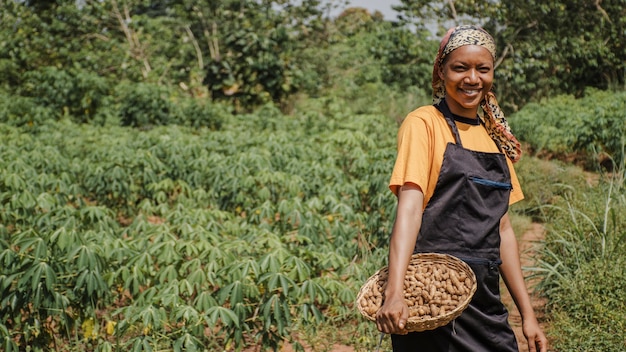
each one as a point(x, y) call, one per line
point(392, 316)
point(537, 341)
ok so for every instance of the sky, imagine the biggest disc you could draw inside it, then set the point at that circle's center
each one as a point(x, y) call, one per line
point(384, 6)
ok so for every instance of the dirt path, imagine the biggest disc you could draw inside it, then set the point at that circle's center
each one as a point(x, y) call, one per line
point(528, 243)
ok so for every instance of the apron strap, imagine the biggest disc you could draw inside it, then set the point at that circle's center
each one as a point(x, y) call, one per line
point(442, 106)
point(445, 110)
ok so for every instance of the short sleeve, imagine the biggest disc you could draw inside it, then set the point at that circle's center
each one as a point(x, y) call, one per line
point(414, 155)
point(516, 193)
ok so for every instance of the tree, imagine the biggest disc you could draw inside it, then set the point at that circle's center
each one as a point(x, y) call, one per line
point(544, 48)
point(249, 49)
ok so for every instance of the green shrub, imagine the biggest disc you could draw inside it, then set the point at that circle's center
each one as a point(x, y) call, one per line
point(74, 93)
point(250, 232)
point(546, 183)
point(21, 111)
point(582, 266)
point(145, 105)
point(588, 310)
point(587, 130)
point(198, 113)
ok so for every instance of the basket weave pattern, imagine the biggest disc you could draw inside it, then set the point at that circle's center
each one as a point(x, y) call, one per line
point(437, 288)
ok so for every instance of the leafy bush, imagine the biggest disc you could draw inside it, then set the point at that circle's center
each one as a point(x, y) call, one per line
point(582, 267)
point(173, 236)
point(406, 57)
point(197, 113)
point(562, 179)
point(145, 105)
point(588, 310)
point(75, 93)
point(588, 129)
point(22, 111)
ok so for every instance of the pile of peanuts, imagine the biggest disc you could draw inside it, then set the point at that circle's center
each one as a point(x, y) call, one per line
point(430, 290)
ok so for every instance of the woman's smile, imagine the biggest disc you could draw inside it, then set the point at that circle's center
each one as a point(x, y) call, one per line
point(467, 74)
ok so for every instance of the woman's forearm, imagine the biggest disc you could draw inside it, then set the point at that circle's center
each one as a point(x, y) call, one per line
point(511, 269)
point(404, 234)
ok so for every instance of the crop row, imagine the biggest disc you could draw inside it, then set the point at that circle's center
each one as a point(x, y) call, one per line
point(176, 237)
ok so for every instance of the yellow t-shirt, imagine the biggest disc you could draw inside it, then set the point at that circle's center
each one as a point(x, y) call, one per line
point(422, 140)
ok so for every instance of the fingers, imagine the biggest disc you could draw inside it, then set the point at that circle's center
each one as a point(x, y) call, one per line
point(389, 325)
point(537, 343)
point(401, 324)
point(391, 322)
point(543, 343)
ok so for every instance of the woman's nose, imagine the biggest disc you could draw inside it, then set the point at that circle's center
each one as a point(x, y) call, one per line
point(472, 77)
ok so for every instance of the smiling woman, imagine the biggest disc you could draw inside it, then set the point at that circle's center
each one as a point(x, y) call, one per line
point(454, 180)
point(468, 76)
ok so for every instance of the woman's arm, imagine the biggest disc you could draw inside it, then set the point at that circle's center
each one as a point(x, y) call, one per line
point(392, 316)
point(511, 269)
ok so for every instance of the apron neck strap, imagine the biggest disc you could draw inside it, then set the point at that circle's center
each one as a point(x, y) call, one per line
point(445, 110)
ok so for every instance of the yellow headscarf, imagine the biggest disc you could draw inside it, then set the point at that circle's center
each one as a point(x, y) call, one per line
point(489, 112)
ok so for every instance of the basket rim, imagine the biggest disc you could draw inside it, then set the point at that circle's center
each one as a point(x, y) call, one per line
point(419, 323)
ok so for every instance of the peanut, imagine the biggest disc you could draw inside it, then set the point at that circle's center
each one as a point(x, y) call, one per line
point(431, 289)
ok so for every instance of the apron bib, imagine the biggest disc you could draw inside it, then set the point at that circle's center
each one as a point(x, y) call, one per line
point(462, 218)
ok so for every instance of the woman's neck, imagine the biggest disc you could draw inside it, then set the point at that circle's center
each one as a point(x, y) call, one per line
point(463, 119)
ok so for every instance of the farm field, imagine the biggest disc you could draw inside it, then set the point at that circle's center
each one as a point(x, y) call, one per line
point(259, 234)
point(182, 175)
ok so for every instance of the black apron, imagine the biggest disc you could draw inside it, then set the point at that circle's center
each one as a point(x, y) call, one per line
point(462, 218)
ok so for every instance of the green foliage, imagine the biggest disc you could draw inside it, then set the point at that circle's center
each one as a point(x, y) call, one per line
point(76, 93)
point(535, 173)
point(406, 57)
point(200, 229)
point(594, 320)
point(197, 113)
point(546, 48)
point(145, 105)
point(252, 48)
point(582, 268)
point(22, 111)
point(591, 129)
point(181, 238)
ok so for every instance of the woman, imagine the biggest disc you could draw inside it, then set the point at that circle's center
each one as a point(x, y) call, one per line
point(454, 180)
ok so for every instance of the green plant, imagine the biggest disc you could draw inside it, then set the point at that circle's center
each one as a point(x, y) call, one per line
point(588, 130)
point(581, 266)
point(174, 237)
point(145, 105)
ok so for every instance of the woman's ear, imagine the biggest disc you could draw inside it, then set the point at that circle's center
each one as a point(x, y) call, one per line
point(440, 72)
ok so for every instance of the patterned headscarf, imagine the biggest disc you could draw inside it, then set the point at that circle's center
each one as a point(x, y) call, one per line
point(489, 111)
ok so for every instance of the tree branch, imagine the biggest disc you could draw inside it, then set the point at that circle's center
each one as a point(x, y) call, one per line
point(503, 55)
point(135, 47)
point(602, 11)
point(453, 9)
point(196, 47)
point(211, 37)
point(509, 46)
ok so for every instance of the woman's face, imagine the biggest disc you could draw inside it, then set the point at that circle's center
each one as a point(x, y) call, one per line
point(467, 73)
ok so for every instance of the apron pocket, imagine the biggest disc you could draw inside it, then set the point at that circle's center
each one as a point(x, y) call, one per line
point(490, 183)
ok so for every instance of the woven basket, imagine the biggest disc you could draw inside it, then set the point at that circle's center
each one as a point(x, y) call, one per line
point(437, 288)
